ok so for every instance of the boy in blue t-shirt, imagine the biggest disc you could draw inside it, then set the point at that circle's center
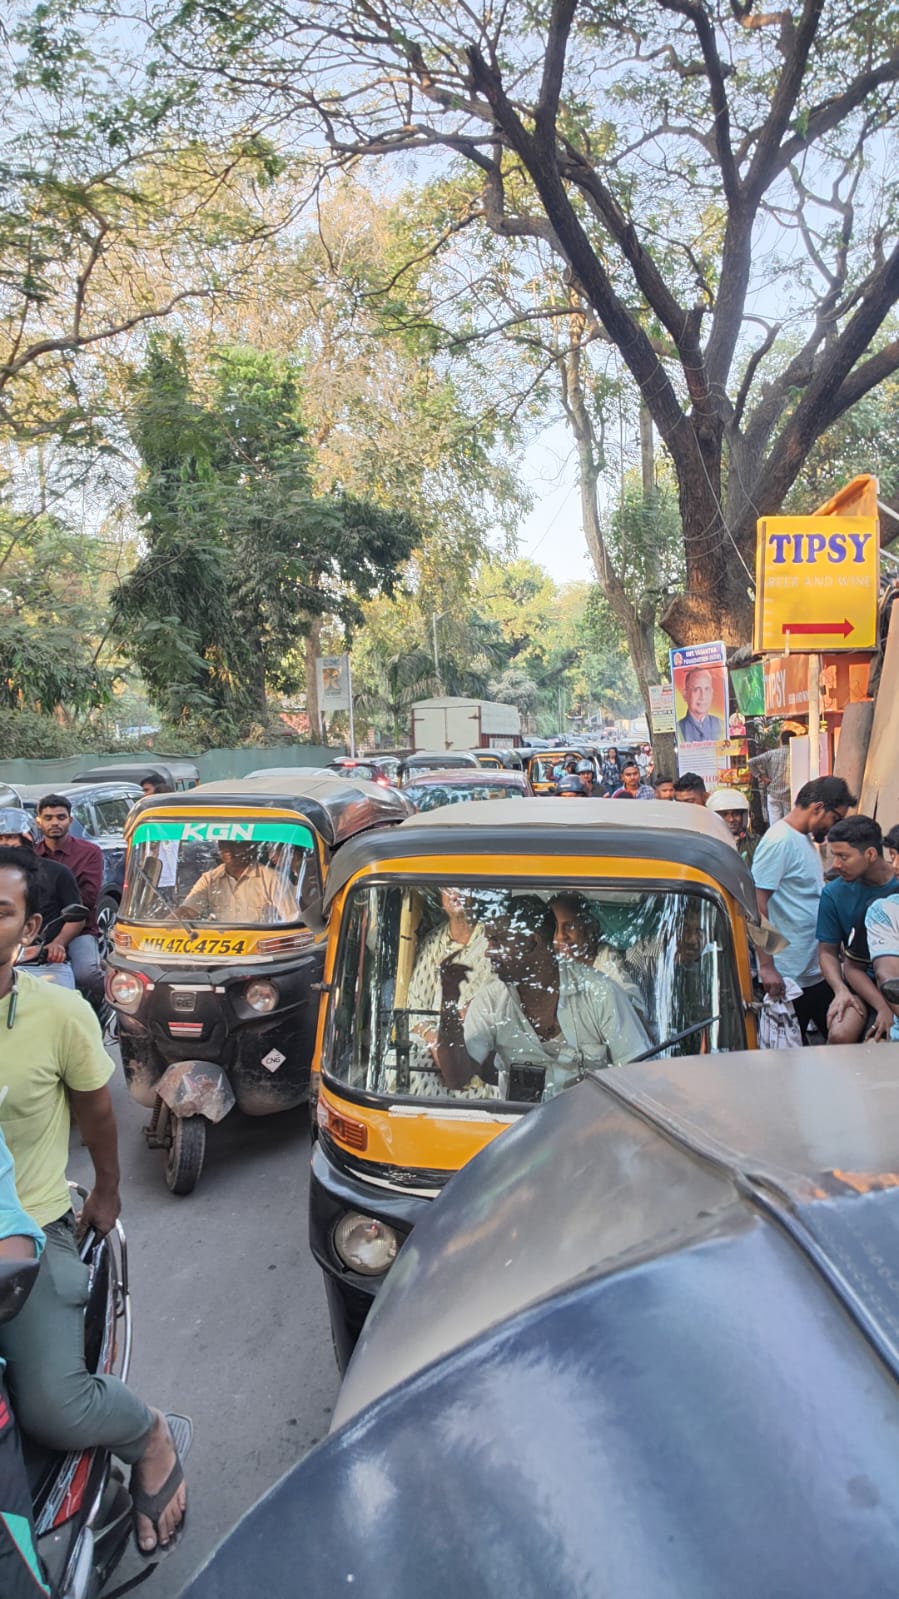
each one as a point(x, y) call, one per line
point(858, 1009)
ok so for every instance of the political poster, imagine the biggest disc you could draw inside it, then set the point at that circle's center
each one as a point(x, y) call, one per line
point(701, 699)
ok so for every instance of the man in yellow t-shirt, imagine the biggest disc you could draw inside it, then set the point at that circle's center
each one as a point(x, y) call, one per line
point(53, 1066)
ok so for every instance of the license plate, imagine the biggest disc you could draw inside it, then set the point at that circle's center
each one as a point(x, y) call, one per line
point(180, 944)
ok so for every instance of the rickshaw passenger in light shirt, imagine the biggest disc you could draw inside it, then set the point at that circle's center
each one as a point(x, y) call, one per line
point(534, 1011)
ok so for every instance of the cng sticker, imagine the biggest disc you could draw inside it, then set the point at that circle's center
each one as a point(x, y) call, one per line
point(817, 583)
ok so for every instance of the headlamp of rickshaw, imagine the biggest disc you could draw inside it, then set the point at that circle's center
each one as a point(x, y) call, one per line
point(126, 990)
point(365, 1244)
point(261, 996)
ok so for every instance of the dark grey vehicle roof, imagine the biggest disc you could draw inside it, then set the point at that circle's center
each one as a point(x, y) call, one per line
point(648, 1160)
point(551, 826)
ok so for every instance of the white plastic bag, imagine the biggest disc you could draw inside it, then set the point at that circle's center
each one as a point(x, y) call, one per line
point(778, 1023)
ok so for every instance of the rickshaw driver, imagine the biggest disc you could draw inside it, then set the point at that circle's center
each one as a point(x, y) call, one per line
point(534, 1011)
point(240, 890)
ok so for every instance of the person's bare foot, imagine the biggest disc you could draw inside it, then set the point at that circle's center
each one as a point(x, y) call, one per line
point(152, 1470)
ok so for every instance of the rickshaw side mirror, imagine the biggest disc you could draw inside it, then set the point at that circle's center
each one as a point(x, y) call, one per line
point(765, 937)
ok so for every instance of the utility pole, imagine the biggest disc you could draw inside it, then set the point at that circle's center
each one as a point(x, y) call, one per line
point(647, 454)
point(435, 618)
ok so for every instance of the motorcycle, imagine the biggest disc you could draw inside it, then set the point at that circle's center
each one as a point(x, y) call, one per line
point(82, 1507)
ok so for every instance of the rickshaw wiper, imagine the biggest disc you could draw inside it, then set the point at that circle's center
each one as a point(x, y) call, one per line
point(161, 900)
point(676, 1038)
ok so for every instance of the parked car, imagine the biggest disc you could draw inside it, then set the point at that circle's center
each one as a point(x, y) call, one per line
point(99, 812)
point(369, 767)
point(644, 1345)
point(428, 790)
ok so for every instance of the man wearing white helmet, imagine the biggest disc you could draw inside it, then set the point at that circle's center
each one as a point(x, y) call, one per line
point(733, 808)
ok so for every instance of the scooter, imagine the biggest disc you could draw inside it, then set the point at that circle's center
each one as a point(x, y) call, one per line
point(82, 1506)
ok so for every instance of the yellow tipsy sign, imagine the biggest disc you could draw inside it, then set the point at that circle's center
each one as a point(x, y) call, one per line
point(817, 584)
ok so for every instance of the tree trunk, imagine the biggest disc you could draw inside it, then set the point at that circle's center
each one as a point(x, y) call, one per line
point(715, 603)
point(313, 643)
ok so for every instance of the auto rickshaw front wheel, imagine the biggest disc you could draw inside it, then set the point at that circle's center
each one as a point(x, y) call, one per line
point(182, 1140)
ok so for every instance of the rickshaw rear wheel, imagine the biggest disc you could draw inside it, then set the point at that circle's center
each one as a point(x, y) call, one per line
point(185, 1152)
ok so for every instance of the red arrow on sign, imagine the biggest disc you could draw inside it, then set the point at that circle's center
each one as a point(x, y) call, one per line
point(845, 627)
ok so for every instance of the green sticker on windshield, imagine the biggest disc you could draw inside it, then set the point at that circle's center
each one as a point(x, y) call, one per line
point(225, 831)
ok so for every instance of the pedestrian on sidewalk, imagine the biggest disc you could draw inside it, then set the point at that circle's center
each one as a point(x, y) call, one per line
point(789, 880)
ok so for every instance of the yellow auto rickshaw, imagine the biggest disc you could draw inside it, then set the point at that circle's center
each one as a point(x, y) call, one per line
point(543, 765)
point(219, 947)
point(480, 959)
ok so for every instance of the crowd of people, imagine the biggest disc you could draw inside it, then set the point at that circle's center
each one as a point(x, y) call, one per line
point(841, 958)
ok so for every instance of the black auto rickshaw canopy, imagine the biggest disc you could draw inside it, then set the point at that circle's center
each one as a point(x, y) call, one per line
point(644, 1348)
point(337, 808)
point(554, 828)
point(177, 774)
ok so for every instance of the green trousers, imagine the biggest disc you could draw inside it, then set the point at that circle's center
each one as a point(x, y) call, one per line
point(55, 1398)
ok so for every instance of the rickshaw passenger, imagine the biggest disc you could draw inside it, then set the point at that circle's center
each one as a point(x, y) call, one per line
point(534, 1011)
point(578, 937)
point(240, 890)
point(459, 941)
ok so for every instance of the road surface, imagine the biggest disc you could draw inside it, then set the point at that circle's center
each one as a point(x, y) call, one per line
point(229, 1313)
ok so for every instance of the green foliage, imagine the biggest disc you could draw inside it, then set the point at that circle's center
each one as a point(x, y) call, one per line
point(241, 552)
point(48, 618)
point(866, 439)
point(27, 735)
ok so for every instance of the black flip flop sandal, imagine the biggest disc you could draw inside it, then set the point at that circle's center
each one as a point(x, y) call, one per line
point(152, 1505)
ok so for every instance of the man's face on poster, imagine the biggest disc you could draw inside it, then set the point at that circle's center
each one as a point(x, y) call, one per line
point(698, 692)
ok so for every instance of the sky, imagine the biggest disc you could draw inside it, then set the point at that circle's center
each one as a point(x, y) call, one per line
point(552, 533)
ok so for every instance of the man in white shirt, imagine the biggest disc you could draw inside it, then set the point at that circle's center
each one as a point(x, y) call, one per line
point(533, 1012)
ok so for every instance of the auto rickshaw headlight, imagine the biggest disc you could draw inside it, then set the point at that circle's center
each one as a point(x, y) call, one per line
point(261, 996)
point(126, 990)
point(365, 1244)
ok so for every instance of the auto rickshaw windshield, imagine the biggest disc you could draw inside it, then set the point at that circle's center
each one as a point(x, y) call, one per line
point(252, 872)
point(452, 991)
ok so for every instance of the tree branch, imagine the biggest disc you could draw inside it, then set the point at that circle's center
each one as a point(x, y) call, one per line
point(715, 73)
point(575, 247)
point(561, 18)
point(834, 384)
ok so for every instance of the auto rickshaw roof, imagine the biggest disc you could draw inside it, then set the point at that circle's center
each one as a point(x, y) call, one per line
point(656, 830)
point(647, 1369)
point(671, 1153)
point(337, 807)
point(165, 770)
